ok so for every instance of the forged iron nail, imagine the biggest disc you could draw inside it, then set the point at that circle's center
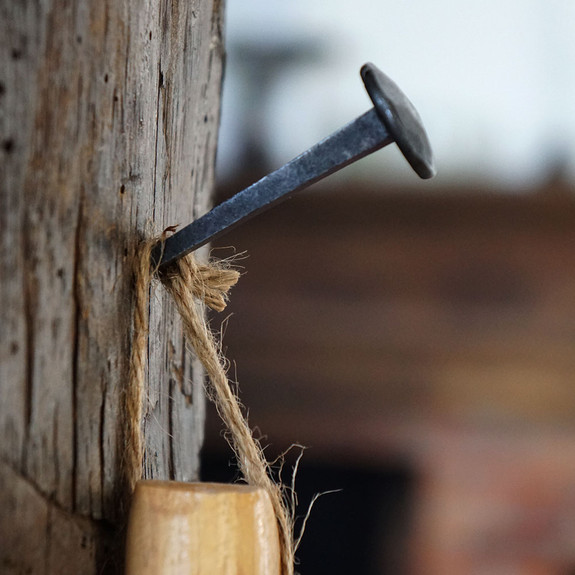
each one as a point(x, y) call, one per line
point(393, 118)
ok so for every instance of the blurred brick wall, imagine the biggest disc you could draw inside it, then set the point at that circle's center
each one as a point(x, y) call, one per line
point(436, 330)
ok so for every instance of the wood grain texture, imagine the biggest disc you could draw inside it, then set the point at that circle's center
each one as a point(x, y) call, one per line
point(108, 125)
point(201, 529)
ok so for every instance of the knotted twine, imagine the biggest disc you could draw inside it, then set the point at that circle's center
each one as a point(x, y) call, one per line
point(191, 285)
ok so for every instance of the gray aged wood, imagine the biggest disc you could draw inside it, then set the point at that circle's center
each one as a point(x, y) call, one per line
point(108, 119)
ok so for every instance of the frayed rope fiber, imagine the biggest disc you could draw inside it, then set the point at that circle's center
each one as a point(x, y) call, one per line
point(191, 285)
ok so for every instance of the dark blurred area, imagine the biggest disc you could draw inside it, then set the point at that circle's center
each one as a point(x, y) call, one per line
point(359, 525)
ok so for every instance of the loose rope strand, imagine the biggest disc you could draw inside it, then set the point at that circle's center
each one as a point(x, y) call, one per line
point(189, 283)
point(133, 399)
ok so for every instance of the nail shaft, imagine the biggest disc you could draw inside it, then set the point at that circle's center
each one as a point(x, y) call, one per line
point(357, 139)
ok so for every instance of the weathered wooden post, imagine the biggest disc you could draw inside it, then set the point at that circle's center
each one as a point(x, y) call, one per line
point(108, 119)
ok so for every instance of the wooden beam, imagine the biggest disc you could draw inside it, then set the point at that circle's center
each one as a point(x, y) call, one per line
point(108, 127)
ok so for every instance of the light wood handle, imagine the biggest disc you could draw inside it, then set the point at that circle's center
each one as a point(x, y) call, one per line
point(201, 529)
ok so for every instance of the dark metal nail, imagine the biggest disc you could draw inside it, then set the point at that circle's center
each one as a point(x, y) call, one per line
point(392, 119)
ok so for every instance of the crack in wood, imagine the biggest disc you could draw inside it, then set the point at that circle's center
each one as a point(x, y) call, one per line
point(171, 442)
point(29, 305)
point(102, 437)
point(76, 297)
point(50, 499)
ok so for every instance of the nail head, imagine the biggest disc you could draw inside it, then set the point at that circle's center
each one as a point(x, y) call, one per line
point(400, 118)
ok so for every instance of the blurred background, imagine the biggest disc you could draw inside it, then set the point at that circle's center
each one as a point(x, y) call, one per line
point(417, 336)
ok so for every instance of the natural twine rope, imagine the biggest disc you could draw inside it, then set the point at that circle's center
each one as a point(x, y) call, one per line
point(189, 283)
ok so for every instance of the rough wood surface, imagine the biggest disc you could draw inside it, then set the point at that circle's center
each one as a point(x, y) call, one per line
point(108, 118)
